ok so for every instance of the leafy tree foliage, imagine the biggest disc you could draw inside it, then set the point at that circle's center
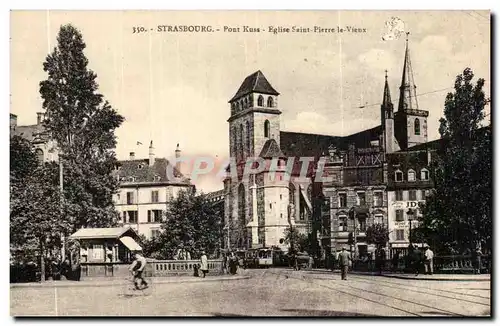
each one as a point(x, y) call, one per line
point(296, 240)
point(23, 160)
point(377, 234)
point(83, 125)
point(458, 214)
point(192, 223)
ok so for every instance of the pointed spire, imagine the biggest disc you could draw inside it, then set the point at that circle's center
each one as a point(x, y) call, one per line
point(407, 90)
point(386, 102)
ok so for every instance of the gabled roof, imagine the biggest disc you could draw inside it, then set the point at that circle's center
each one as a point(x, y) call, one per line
point(141, 171)
point(256, 82)
point(101, 233)
point(271, 149)
point(31, 132)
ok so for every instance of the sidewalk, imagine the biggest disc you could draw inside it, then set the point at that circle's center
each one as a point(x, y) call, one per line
point(101, 281)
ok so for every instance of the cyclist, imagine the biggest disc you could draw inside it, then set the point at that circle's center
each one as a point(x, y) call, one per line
point(137, 269)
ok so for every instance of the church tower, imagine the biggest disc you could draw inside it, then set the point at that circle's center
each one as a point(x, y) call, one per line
point(410, 121)
point(254, 124)
point(254, 117)
point(387, 115)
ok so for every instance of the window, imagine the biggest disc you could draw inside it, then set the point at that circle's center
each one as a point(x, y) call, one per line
point(270, 205)
point(154, 196)
point(378, 198)
point(266, 128)
point(411, 175)
point(270, 102)
point(342, 224)
point(422, 194)
point(412, 194)
point(398, 175)
point(378, 219)
point(291, 193)
point(424, 174)
point(362, 224)
point(399, 215)
point(130, 198)
point(140, 166)
point(400, 235)
point(154, 216)
point(281, 197)
point(417, 126)
point(97, 251)
point(155, 233)
point(260, 100)
point(399, 195)
point(248, 136)
point(170, 194)
point(342, 200)
point(130, 217)
point(240, 139)
point(361, 199)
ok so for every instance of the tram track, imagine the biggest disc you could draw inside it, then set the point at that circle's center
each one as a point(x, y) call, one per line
point(344, 288)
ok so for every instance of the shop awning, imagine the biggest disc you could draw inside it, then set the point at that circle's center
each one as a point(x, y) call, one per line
point(130, 243)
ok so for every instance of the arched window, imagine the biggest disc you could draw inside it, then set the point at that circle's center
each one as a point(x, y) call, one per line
point(417, 126)
point(233, 108)
point(260, 101)
point(267, 128)
point(248, 136)
point(39, 155)
point(237, 105)
point(250, 100)
point(398, 176)
point(270, 102)
point(411, 175)
point(240, 138)
point(241, 205)
point(291, 193)
point(424, 174)
point(234, 140)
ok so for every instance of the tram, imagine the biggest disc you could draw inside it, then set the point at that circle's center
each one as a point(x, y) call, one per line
point(270, 257)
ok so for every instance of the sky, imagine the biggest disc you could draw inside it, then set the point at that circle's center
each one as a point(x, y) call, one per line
point(173, 88)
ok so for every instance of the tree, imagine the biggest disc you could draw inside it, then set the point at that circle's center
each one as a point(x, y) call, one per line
point(35, 211)
point(191, 222)
point(83, 125)
point(458, 211)
point(296, 240)
point(23, 160)
point(377, 234)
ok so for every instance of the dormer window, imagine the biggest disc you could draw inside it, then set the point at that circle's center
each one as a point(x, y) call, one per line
point(157, 178)
point(398, 176)
point(131, 179)
point(260, 100)
point(424, 174)
point(411, 175)
point(140, 166)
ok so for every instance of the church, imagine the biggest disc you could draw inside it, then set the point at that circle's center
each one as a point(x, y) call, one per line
point(261, 207)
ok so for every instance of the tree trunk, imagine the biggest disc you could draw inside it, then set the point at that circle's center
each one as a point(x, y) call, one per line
point(42, 261)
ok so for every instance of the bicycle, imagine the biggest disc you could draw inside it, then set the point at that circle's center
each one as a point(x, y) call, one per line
point(134, 288)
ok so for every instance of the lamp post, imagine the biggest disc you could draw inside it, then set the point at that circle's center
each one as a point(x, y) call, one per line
point(410, 214)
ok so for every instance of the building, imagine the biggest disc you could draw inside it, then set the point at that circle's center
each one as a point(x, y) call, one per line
point(45, 147)
point(145, 190)
point(359, 168)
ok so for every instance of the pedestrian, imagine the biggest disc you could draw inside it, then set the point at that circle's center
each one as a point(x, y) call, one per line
point(224, 263)
point(429, 261)
point(417, 260)
point(203, 264)
point(344, 259)
point(476, 255)
point(233, 263)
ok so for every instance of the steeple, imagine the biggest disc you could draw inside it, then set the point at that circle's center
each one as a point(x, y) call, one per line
point(407, 90)
point(387, 109)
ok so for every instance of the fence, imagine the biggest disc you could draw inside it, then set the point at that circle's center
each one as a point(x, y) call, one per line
point(455, 264)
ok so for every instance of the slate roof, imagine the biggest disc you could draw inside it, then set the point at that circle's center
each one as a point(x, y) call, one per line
point(102, 233)
point(31, 132)
point(142, 172)
point(271, 150)
point(256, 82)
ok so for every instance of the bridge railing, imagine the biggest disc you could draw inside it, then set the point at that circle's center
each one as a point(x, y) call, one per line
point(159, 268)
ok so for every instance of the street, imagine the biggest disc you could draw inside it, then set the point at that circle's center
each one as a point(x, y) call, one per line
point(269, 292)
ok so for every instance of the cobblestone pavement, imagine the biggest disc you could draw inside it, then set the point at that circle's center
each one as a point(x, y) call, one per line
point(269, 292)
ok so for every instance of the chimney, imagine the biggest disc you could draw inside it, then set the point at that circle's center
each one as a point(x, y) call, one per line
point(132, 155)
point(151, 154)
point(39, 118)
point(177, 155)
